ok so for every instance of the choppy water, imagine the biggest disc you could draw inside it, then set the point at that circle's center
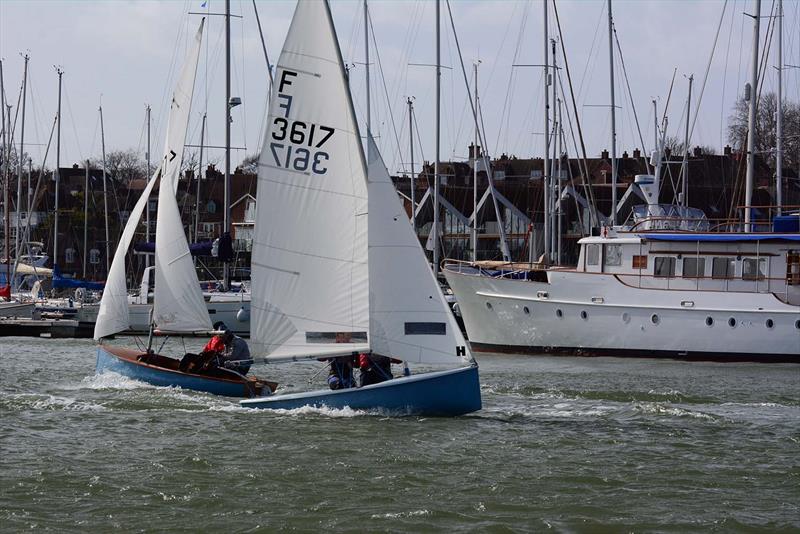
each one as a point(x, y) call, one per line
point(569, 444)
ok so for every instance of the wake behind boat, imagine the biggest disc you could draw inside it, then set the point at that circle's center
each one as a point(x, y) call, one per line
point(337, 270)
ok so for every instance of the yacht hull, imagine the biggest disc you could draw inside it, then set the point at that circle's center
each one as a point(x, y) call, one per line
point(442, 393)
point(585, 314)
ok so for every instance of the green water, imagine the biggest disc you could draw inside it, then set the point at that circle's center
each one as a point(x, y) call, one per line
point(568, 444)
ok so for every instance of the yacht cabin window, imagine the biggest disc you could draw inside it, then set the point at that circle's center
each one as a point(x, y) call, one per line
point(694, 267)
point(754, 268)
point(664, 267)
point(723, 268)
point(593, 254)
point(613, 255)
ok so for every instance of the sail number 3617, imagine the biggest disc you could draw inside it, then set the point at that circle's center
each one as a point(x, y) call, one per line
point(299, 153)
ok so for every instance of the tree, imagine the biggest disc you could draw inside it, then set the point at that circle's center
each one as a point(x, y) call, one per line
point(123, 166)
point(766, 129)
point(250, 164)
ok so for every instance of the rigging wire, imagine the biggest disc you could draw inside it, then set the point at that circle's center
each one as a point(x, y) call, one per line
point(383, 80)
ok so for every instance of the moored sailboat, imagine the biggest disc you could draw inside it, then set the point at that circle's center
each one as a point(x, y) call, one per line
point(337, 270)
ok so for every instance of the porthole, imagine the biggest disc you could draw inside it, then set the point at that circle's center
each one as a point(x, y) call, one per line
point(797, 324)
point(626, 318)
point(559, 314)
point(654, 319)
point(525, 310)
point(584, 315)
point(709, 321)
point(732, 322)
point(488, 305)
point(770, 323)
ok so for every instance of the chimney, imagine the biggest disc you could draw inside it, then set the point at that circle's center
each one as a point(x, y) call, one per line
point(727, 150)
point(698, 151)
point(625, 155)
point(474, 151)
point(667, 153)
point(604, 154)
point(637, 153)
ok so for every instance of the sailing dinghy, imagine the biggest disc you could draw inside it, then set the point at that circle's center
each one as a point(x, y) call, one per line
point(336, 268)
point(178, 305)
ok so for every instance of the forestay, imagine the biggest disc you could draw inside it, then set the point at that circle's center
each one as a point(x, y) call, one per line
point(178, 304)
point(409, 318)
point(310, 275)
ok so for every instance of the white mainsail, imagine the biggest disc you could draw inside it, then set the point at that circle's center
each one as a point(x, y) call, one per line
point(178, 304)
point(113, 316)
point(310, 293)
point(409, 318)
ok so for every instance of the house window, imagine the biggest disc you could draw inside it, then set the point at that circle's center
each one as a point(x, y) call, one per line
point(69, 255)
point(754, 268)
point(94, 256)
point(593, 254)
point(640, 262)
point(722, 268)
point(694, 267)
point(613, 255)
point(211, 207)
point(152, 205)
point(665, 267)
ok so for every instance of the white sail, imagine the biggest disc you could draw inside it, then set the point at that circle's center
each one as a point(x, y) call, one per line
point(409, 318)
point(310, 276)
point(178, 304)
point(113, 316)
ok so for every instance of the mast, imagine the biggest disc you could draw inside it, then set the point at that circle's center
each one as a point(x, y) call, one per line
point(6, 178)
point(474, 229)
point(546, 159)
point(685, 164)
point(366, 63)
point(559, 216)
point(19, 158)
point(438, 139)
point(199, 175)
point(554, 179)
point(105, 192)
point(147, 207)
point(226, 275)
point(779, 125)
point(58, 170)
point(411, 145)
point(751, 120)
point(613, 117)
point(85, 217)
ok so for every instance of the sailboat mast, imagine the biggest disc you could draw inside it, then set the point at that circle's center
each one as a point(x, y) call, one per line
point(685, 164)
point(199, 176)
point(779, 125)
point(105, 192)
point(226, 275)
point(366, 63)
point(85, 217)
point(438, 139)
point(546, 159)
point(751, 120)
point(411, 146)
point(613, 117)
point(147, 206)
point(474, 229)
point(554, 178)
point(58, 171)
point(20, 158)
point(6, 177)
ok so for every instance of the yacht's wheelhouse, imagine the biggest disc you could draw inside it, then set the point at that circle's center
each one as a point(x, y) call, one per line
point(763, 263)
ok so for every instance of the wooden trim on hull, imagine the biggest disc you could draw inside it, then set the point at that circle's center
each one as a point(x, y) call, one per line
point(633, 353)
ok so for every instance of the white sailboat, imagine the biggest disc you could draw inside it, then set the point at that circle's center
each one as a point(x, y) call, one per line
point(178, 305)
point(336, 268)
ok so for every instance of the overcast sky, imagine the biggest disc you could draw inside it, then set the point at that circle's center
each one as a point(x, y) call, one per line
point(127, 54)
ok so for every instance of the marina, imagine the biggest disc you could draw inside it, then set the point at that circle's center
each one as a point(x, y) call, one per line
point(333, 319)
